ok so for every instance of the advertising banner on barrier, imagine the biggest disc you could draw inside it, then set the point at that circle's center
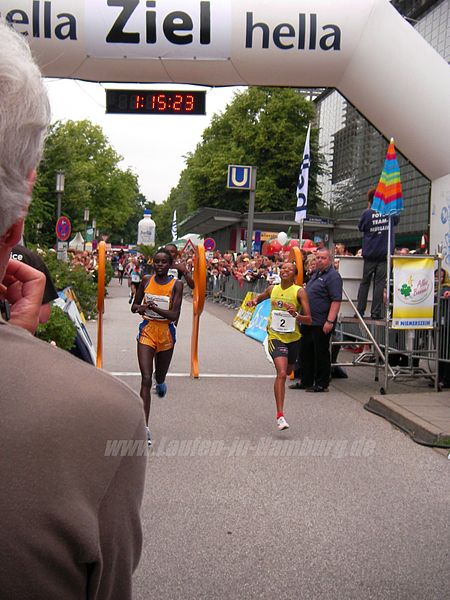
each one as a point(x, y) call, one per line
point(68, 302)
point(258, 325)
point(413, 293)
point(245, 313)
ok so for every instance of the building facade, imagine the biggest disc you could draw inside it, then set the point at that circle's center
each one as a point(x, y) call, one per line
point(354, 150)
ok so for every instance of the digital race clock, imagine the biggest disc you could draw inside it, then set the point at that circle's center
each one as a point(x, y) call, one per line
point(155, 102)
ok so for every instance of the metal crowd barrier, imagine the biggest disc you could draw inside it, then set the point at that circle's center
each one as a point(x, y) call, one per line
point(227, 290)
point(416, 344)
point(444, 339)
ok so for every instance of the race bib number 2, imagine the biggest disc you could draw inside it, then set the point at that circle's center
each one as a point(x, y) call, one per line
point(282, 322)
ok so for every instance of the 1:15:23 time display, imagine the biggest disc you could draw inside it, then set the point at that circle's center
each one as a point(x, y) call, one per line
point(155, 102)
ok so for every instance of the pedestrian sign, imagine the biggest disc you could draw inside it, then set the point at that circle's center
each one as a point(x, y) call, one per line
point(239, 177)
point(63, 229)
point(188, 247)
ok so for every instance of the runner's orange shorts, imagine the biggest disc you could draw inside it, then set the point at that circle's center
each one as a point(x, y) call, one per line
point(159, 335)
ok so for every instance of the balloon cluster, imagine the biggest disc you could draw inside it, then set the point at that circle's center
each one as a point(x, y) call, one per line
point(281, 242)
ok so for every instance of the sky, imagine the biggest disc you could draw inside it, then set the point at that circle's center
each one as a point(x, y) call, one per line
point(152, 146)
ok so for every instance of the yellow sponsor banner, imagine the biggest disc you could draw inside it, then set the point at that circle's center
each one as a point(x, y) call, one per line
point(413, 293)
point(244, 315)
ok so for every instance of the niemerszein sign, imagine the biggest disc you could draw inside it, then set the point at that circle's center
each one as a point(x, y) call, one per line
point(413, 293)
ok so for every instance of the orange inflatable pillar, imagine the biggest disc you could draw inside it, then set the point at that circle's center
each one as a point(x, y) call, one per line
point(296, 256)
point(199, 294)
point(101, 265)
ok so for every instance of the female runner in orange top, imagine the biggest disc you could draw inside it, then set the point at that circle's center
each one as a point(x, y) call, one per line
point(158, 301)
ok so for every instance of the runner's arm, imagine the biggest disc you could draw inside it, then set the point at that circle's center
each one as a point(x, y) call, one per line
point(174, 313)
point(181, 266)
point(305, 316)
point(189, 279)
point(261, 297)
point(137, 306)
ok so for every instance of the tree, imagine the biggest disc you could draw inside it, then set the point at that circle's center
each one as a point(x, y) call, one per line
point(180, 200)
point(265, 127)
point(344, 194)
point(93, 180)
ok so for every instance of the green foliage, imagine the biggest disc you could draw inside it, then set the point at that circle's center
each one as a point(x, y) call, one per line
point(265, 127)
point(93, 180)
point(82, 282)
point(146, 251)
point(344, 195)
point(128, 233)
point(109, 273)
point(59, 329)
point(179, 200)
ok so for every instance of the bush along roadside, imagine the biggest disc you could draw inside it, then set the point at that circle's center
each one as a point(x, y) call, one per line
point(83, 282)
point(59, 329)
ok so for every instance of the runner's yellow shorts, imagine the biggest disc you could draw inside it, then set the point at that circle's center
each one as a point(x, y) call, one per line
point(159, 335)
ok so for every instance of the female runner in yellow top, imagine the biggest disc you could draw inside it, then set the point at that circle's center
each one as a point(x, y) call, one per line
point(158, 301)
point(286, 300)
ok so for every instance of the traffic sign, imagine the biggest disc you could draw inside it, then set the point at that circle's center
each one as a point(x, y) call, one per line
point(188, 247)
point(239, 177)
point(63, 229)
point(209, 244)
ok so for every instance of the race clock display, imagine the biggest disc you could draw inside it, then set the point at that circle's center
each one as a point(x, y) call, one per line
point(156, 102)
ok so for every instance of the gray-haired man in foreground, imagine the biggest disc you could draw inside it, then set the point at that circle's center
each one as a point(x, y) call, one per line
point(70, 513)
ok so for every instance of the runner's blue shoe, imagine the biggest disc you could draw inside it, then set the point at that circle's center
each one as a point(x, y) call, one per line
point(161, 389)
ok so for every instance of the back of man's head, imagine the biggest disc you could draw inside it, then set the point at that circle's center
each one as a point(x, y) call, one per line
point(370, 195)
point(24, 118)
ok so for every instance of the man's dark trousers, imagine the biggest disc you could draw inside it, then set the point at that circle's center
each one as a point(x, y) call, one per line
point(315, 366)
point(377, 270)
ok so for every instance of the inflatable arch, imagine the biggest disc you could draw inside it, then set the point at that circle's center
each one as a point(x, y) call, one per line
point(363, 48)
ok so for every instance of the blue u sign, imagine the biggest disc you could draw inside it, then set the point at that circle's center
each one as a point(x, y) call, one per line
point(239, 178)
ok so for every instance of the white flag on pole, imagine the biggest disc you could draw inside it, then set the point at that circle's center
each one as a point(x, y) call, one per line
point(302, 184)
point(174, 226)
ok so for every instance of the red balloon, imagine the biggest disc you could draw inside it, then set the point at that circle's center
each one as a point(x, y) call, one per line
point(264, 248)
point(269, 248)
point(308, 244)
point(291, 244)
point(275, 246)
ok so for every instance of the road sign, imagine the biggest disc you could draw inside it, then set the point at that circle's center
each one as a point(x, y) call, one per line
point(63, 229)
point(209, 244)
point(239, 177)
point(188, 247)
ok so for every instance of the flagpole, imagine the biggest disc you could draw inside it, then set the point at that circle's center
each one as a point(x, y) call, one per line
point(302, 187)
point(300, 234)
point(388, 306)
point(388, 201)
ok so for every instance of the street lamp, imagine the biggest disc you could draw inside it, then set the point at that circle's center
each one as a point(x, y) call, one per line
point(94, 242)
point(59, 192)
point(85, 219)
point(38, 232)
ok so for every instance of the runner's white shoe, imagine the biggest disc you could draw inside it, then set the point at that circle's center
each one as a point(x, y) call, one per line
point(282, 423)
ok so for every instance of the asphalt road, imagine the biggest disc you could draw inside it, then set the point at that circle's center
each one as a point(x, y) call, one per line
point(340, 506)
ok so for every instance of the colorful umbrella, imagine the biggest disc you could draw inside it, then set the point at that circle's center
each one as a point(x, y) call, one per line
point(388, 197)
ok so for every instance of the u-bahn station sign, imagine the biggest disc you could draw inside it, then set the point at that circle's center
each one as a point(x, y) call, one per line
point(363, 48)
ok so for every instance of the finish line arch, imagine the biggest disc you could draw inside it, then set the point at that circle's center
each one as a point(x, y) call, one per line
point(363, 48)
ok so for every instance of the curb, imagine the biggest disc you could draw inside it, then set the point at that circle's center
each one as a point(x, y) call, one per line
point(421, 431)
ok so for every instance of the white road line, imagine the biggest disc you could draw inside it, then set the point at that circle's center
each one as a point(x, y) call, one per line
point(202, 375)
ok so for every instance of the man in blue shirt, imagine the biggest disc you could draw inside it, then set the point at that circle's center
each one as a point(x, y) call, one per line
point(324, 291)
point(375, 229)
